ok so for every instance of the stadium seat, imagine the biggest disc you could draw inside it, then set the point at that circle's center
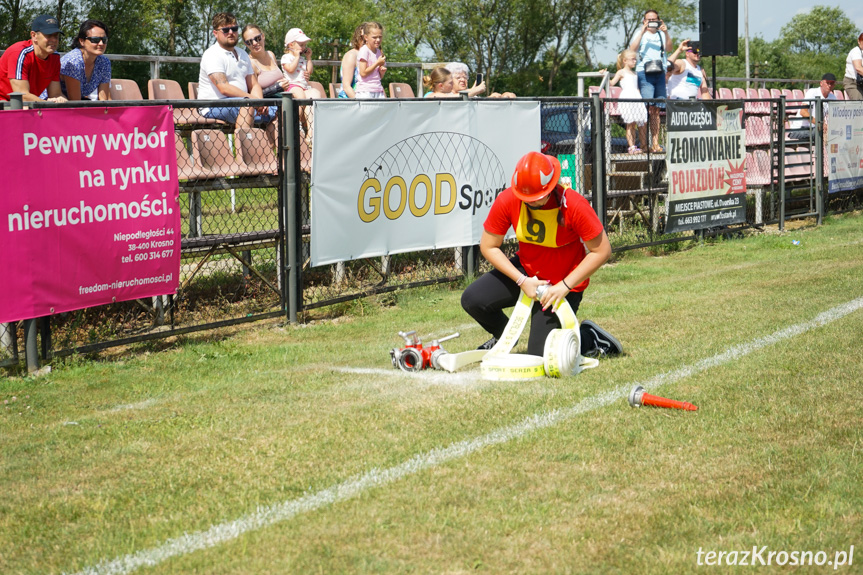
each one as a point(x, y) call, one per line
point(738, 93)
point(614, 105)
point(163, 89)
point(212, 153)
point(335, 87)
point(757, 133)
point(725, 94)
point(186, 170)
point(401, 90)
point(124, 90)
point(797, 94)
point(193, 90)
point(758, 168)
point(775, 93)
point(840, 95)
point(755, 105)
point(256, 152)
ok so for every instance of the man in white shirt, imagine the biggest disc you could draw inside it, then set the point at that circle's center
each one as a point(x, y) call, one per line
point(854, 70)
point(688, 80)
point(227, 73)
point(800, 122)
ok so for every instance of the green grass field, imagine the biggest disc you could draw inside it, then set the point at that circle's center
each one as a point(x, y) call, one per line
point(299, 449)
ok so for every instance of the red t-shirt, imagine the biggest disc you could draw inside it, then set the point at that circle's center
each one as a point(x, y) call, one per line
point(546, 249)
point(19, 62)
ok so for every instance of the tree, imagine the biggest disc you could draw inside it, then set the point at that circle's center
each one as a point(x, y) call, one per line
point(16, 16)
point(818, 41)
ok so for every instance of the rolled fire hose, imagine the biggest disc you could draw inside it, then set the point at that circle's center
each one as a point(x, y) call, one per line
point(561, 354)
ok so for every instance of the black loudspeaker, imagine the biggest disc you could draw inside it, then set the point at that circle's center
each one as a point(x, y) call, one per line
point(718, 27)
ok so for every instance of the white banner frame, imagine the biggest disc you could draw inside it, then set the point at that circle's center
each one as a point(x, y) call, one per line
point(394, 177)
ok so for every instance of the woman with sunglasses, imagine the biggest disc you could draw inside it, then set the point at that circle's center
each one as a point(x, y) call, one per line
point(85, 71)
point(264, 62)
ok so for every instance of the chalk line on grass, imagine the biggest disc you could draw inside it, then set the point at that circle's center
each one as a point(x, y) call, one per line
point(271, 514)
point(429, 376)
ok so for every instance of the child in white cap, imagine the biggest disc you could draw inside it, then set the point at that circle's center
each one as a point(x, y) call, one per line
point(296, 66)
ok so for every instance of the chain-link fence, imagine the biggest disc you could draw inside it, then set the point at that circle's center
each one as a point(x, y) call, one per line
point(245, 195)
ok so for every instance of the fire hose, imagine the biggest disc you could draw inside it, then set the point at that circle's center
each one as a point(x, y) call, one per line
point(561, 353)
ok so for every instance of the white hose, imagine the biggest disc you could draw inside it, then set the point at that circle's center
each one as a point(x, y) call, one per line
point(561, 355)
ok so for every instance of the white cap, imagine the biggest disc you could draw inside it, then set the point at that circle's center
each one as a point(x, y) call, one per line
point(295, 35)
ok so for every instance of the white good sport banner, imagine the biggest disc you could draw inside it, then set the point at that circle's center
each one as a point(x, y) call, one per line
point(392, 177)
point(844, 146)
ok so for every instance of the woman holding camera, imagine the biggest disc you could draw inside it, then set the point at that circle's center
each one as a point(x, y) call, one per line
point(652, 43)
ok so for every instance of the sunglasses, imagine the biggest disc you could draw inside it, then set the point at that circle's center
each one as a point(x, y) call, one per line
point(254, 40)
point(226, 29)
point(97, 39)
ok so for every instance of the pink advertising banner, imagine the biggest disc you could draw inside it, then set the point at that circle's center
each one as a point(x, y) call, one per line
point(89, 212)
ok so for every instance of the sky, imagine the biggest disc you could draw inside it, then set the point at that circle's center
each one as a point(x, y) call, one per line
point(766, 18)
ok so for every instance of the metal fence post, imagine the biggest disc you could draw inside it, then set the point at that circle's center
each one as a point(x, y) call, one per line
point(289, 158)
point(819, 160)
point(781, 162)
point(31, 327)
point(470, 254)
point(598, 145)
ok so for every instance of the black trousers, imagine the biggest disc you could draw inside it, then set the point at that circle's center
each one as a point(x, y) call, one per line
point(486, 298)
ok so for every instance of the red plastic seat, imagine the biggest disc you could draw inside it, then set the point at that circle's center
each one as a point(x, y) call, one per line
point(256, 152)
point(757, 133)
point(758, 168)
point(124, 90)
point(213, 155)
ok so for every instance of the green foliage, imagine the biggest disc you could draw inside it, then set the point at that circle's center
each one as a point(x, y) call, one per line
point(530, 47)
point(818, 41)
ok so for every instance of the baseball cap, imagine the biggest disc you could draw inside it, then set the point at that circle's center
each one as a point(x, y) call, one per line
point(46, 24)
point(295, 35)
point(829, 77)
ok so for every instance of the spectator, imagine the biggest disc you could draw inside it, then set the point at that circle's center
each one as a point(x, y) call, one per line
point(33, 66)
point(800, 122)
point(349, 69)
point(267, 69)
point(853, 80)
point(633, 114)
point(440, 83)
point(459, 73)
point(551, 252)
point(688, 79)
point(651, 43)
point(371, 62)
point(227, 73)
point(297, 65)
point(85, 71)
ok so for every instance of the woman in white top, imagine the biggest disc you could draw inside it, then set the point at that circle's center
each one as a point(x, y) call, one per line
point(854, 70)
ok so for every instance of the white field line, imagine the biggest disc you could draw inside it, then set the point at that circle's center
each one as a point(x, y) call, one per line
point(427, 376)
point(271, 514)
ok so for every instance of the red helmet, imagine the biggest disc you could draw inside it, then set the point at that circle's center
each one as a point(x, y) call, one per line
point(535, 176)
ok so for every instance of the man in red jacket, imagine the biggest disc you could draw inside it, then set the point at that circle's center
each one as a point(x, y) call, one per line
point(32, 66)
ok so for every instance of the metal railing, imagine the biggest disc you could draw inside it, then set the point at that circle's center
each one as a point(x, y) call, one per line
point(245, 234)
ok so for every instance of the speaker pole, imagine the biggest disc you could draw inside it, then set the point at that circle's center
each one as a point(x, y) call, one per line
point(713, 58)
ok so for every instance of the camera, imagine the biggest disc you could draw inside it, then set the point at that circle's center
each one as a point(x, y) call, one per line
point(695, 46)
point(654, 24)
